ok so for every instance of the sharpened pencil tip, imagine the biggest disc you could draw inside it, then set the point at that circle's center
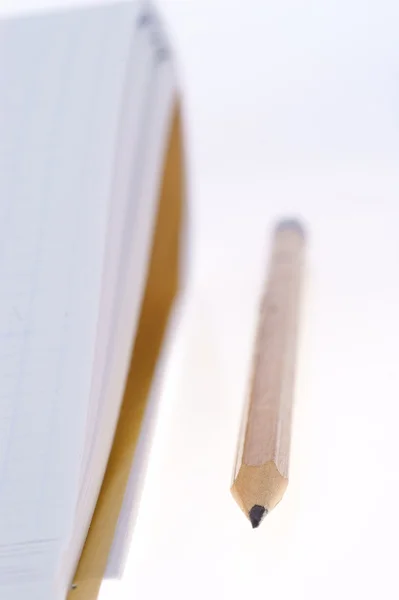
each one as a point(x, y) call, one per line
point(256, 515)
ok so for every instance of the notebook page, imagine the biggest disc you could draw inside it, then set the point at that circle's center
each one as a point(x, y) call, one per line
point(124, 228)
point(62, 80)
point(162, 104)
point(144, 184)
point(132, 128)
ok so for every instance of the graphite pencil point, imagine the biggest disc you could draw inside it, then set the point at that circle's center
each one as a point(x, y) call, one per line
point(256, 515)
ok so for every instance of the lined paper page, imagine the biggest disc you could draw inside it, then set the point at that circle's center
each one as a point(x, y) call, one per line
point(132, 124)
point(63, 79)
point(139, 159)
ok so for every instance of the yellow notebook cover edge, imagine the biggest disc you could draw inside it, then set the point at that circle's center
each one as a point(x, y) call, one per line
point(162, 287)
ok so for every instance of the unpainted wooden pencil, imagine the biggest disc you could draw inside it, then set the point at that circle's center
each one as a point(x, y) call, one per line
point(261, 474)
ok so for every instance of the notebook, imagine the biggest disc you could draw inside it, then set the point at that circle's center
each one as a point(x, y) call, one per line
point(87, 109)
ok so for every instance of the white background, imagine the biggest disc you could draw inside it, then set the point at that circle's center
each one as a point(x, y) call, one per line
point(292, 107)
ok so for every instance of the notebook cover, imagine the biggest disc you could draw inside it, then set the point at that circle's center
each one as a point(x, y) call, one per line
point(161, 289)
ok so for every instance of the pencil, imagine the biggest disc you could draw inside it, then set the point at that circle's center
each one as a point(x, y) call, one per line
point(261, 473)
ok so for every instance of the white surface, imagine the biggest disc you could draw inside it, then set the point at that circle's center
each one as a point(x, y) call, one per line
point(292, 108)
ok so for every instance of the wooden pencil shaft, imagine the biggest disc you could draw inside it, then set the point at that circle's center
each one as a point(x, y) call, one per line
point(269, 418)
point(262, 469)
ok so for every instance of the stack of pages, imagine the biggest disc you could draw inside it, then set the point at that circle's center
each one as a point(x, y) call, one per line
point(86, 105)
